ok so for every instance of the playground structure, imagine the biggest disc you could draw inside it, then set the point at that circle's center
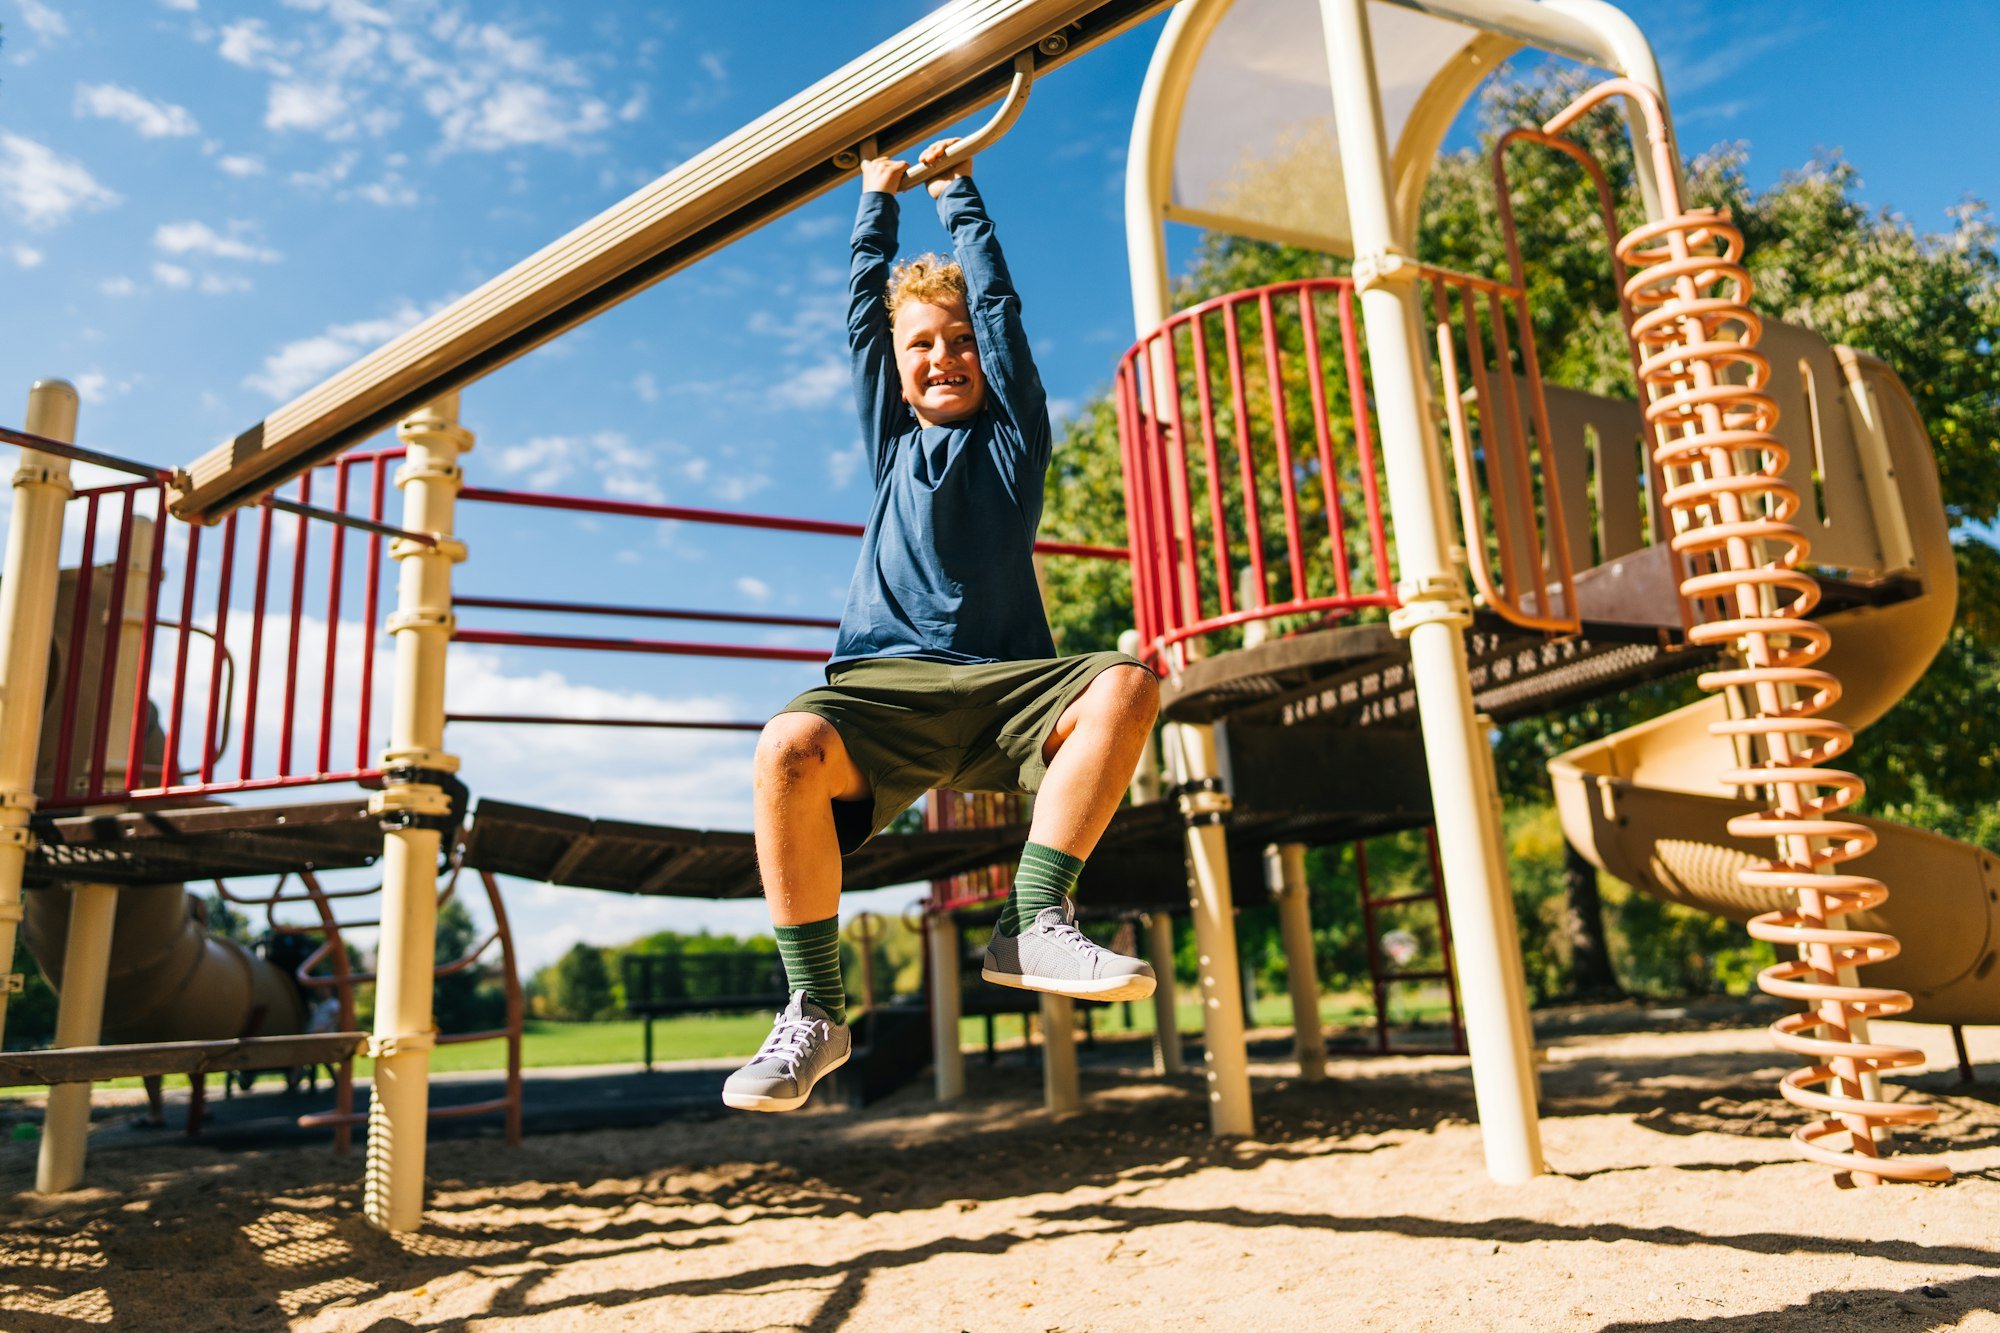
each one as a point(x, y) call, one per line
point(1296, 656)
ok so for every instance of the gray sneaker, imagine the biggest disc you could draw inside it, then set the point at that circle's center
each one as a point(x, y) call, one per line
point(1053, 955)
point(804, 1046)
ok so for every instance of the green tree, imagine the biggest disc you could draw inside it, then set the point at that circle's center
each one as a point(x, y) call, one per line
point(580, 985)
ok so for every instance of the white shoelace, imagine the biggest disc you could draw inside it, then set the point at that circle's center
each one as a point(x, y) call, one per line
point(1065, 933)
point(788, 1041)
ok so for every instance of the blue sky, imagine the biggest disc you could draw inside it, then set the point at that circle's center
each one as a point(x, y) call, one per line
point(207, 205)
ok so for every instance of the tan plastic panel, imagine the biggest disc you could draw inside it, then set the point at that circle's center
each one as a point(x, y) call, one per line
point(1644, 804)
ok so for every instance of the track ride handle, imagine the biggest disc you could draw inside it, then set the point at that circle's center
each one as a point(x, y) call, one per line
point(975, 142)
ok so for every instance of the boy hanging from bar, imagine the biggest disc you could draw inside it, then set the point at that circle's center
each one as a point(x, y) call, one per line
point(944, 674)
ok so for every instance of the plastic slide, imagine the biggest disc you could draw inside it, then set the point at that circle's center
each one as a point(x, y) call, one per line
point(1645, 805)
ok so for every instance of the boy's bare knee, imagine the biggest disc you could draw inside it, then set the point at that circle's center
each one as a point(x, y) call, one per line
point(793, 750)
point(1132, 695)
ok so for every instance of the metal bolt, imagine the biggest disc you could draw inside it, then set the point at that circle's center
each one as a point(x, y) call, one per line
point(847, 159)
point(1054, 44)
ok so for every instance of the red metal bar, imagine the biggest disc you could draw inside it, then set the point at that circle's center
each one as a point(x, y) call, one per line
point(662, 647)
point(1364, 442)
point(114, 644)
point(1219, 529)
point(1444, 942)
point(135, 753)
point(1187, 555)
point(551, 720)
point(181, 789)
point(1246, 457)
point(1143, 616)
point(210, 742)
point(1381, 985)
point(79, 629)
point(724, 518)
point(256, 639)
point(370, 609)
point(300, 547)
point(336, 563)
point(42, 444)
point(643, 612)
point(170, 757)
point(1281, 432)
point(1336, 521)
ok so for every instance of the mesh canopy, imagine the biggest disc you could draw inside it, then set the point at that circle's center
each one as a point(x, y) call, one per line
point(1256, 152)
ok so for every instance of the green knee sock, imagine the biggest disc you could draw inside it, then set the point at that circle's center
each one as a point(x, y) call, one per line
point(812, 963)
point(1045, 879)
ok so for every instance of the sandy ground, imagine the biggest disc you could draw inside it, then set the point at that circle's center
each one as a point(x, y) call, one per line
point(1362, 1203)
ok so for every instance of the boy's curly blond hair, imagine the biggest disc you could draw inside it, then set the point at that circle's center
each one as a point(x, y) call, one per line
point(931, 279)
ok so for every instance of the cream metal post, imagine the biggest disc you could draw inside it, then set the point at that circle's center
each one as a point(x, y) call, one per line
point(947, 1056)
point(93, 910)
point(415, 809)
point(1061, 1092)
point(1285, 864)
point(1433, 616)
point(1204, 805)
point(27, 623)
point(1167, 1057)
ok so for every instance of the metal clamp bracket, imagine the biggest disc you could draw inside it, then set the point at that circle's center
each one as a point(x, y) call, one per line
point(422, 617)
point(429, 470)
point(1387, 267)
point(1438, 599)
point(451, 548)
point(45, 476)
point(11, 911)
point(1203, 801)
point(400, 1043)
point(18, 836)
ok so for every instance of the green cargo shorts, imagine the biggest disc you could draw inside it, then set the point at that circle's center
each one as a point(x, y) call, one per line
point(911, 725)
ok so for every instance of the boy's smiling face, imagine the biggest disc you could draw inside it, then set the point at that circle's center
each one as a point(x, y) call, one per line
point(938, 359)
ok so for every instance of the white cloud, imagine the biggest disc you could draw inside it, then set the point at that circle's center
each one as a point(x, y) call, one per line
point(645, 386)
point(333, 173)
point(843, 464)
point(306, 361)
point(43, 187)
point(755, 589)
point(307, 106)
point(198, 238)
point(172, 275)
point(392, 191)
point(119, 286)
point(46, 23)
point(223, 284)
point(25, 256)
point(818, 385)
point(241, 164)
point(250, 45)
point(740, 487)
point(516, 114)
point(153, 120)
point(619, 468)
point(184, 6)
point(93, 386)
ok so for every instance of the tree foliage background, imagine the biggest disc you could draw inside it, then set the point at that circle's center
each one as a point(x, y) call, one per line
point(1927, 304)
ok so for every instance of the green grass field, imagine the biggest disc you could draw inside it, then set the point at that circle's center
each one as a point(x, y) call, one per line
point(546, 1044)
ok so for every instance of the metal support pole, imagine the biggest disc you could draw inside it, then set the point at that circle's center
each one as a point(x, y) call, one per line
point(415, 813)
point(1062, 1094)
point(947, 1056)
point(1167, 1057)
point(1286, 865)
point(1196, 772)
point(27, 623)
point(93, 908)
point(1433, 617)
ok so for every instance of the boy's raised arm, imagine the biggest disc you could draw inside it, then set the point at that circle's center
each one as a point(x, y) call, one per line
point(1014, 385)
point(871, 350)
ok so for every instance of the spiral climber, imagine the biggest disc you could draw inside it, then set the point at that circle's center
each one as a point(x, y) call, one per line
point(1686, 295)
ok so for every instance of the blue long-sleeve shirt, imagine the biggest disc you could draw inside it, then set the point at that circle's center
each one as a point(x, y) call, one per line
point(946, 569)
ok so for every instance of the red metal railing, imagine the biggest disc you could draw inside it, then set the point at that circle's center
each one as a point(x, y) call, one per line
point(666, 647)
point(1248, 447)
point(197, 662)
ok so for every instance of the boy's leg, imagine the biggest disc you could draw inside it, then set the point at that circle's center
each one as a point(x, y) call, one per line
point(802, 767)
point(1091, 754)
